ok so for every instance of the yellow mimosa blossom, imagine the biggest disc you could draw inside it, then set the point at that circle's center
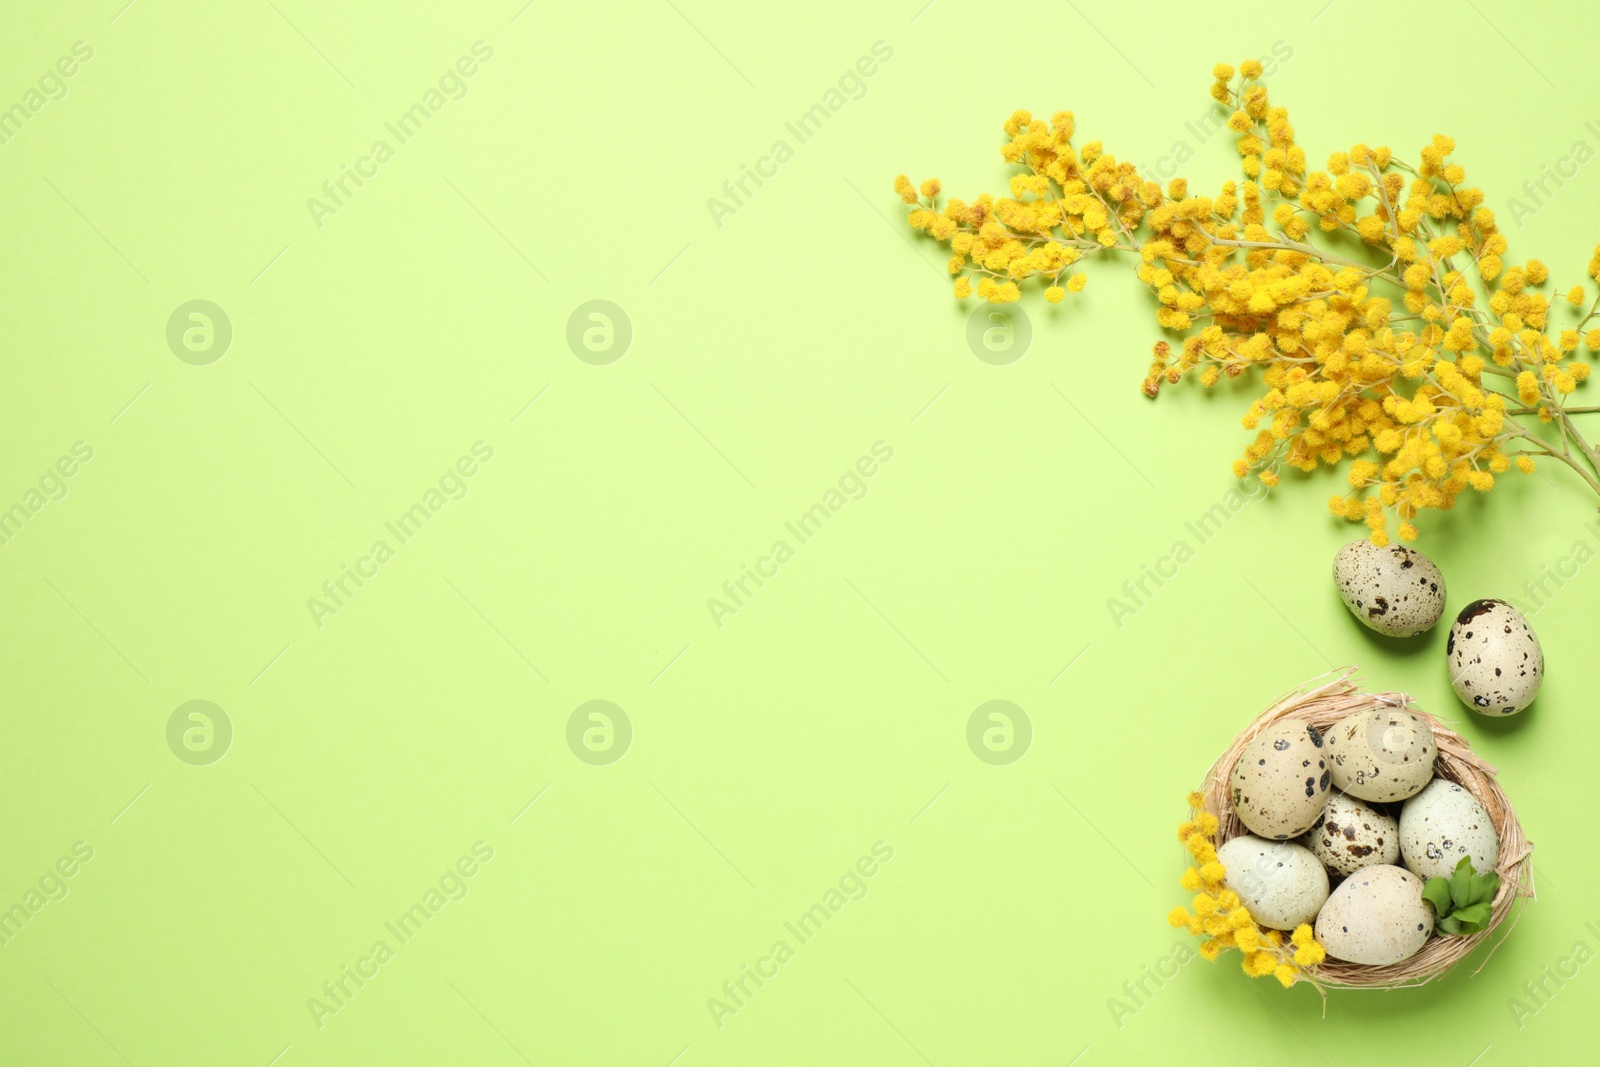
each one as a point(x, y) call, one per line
point(1411, 349)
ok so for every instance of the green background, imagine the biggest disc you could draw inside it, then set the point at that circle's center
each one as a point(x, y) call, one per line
point(769, 352)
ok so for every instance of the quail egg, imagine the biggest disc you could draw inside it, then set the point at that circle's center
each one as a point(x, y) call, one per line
point(1440, 825)
point(1376, 917)
point(1381, 754)
point(1281, 883)
point(1394, 590)
point(1280, 783)
point(1350, 835)
point(1495, 660)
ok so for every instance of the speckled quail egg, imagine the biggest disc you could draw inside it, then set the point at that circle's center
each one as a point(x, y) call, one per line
point(1495, 660)
point(1280, 783)
point(1376, 917)
point(1281, 883)
point(1394, 590)
point(1381, 754)
point(1440, 825)
point(1350, 835)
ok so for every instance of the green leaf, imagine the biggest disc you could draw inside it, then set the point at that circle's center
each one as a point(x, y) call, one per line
point(1461, 882)
point(1474, 914)
point(1436, 891)
point(1475, 887)
point(1448, 925)
point(1488, 885)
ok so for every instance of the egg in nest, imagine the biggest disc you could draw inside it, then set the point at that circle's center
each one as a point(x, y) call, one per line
point(1381, 755)
point(1280, 783)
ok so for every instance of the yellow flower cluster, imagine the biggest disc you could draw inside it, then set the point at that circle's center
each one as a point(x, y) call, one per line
point(1411, 355)
point(1222, 918)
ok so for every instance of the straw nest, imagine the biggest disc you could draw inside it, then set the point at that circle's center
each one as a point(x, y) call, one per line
point(1323, 703)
